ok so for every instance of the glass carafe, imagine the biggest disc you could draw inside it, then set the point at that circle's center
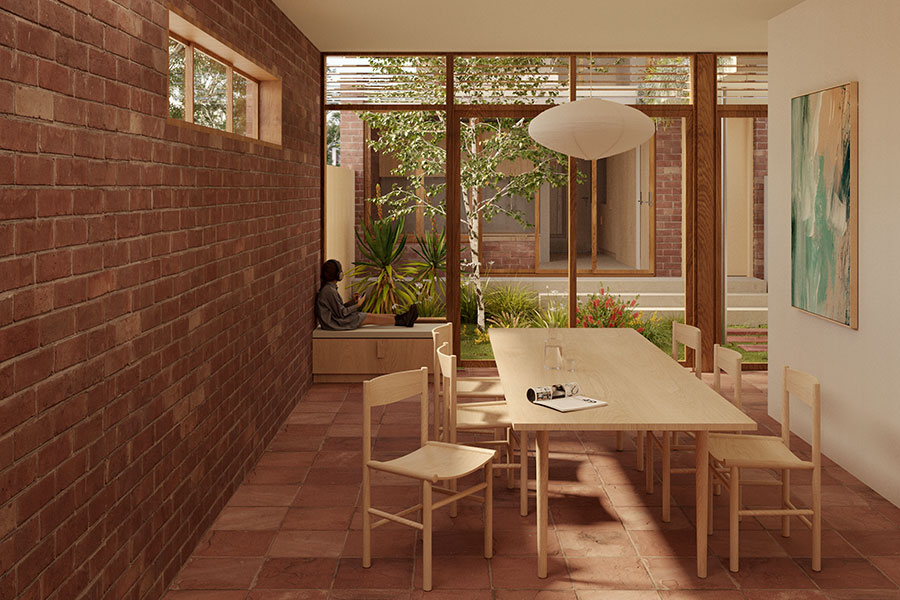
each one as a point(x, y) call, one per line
point(553, 359)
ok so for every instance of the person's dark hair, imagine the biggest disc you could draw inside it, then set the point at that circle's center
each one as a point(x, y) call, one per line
point(331, 271)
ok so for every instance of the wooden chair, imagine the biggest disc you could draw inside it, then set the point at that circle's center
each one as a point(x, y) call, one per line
point(729, 453)
point(730, 362)
point(690, 337)
point(433, 461)
point(466, 387)
point(484, 416)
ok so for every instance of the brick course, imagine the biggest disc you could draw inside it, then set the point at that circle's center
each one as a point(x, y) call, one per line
point(156, 290)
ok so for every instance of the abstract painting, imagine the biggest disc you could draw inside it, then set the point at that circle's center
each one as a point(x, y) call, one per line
point(824, 245)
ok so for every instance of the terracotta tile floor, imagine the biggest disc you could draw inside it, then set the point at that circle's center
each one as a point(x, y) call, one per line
point(292, 531)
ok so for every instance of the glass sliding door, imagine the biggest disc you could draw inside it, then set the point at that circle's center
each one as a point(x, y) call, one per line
point(744, 169)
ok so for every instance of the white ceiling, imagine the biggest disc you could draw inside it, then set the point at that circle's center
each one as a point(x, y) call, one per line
point(535, 25)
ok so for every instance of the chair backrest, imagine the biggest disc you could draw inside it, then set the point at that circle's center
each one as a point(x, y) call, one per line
point(448, 374)
point(725, 359)
point(440, 335)
point(805, 387)
point(690, 337)
point(391, 388)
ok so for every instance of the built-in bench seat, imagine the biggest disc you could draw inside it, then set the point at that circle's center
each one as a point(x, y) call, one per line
point(369, 351)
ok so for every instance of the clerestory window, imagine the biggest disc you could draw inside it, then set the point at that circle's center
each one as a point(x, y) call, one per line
point(213, 86)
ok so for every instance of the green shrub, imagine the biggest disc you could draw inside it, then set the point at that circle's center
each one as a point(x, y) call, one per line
point(468, 307)
point(432, 306)
point(553, 316)
point(608, 310)
point(510, 320)
point(510, 299)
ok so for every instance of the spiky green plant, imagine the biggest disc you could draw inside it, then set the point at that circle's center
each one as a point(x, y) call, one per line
point(432, 306)
point(468, 305)
point(508, 320)
point(552, 316)
point(513, 299)
point(379, 275)
point(430, 270)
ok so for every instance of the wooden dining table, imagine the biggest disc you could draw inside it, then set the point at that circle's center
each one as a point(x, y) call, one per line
point(644, 388)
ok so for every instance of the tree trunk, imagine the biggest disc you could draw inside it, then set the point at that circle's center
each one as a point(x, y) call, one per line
point(472, 225)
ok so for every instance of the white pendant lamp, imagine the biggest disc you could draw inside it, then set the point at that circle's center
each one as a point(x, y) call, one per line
point(591, 128)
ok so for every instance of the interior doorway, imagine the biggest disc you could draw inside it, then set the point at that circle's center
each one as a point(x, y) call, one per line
point(614, 215)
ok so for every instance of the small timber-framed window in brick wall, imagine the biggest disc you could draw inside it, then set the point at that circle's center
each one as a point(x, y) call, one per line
point(213, 86)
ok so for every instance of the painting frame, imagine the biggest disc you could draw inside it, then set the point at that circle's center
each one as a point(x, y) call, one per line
point(825, 203)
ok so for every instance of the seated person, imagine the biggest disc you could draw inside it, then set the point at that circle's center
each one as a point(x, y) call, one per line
point(333, 313)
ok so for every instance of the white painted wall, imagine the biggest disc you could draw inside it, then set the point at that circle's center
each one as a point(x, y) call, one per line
point(818, 44)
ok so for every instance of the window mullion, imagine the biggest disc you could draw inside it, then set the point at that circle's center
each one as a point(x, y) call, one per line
point(229, 98)
point(189, 83)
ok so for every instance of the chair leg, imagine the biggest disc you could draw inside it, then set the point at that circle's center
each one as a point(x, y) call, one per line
point(648, 463)
point(510, 456)
point(734, 505)
point(667, 476)
point(367, 520)
point(426, 536)
point(817, 521)
point(709, 521)
point(453, 508)
point(640, 450)
point(620, 441)
point(438, 411)
point(488, 512)
point(785, 500)
point(523, 473)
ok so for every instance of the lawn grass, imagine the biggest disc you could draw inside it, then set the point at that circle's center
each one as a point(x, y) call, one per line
point(469, 349)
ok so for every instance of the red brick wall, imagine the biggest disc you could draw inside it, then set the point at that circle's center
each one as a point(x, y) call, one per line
point(156, 286)
point(760, 170)
point(668, 199)
point(515, 254)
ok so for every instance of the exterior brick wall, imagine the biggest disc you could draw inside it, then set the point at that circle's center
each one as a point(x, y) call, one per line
point(508, 254)
point(353, 148)
point(760, 170)
point(156, 290)
point(669, 167)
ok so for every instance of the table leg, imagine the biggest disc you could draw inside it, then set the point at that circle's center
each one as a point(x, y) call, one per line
point(702, 483)
point(542, 452)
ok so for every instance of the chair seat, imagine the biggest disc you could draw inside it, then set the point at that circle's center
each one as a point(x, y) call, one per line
point(482, 415)
point(478, 387)
point(437, 460)
point(758, 451)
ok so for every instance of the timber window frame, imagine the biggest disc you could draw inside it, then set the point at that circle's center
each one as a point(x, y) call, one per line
point(262, 90)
